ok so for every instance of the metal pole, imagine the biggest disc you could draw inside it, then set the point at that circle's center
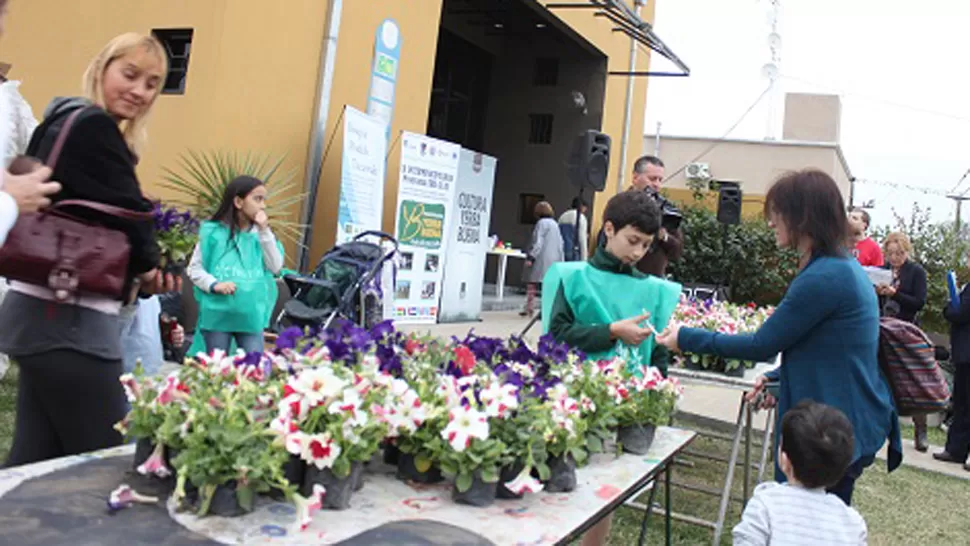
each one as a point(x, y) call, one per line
point(314, 164)
point(656, 141)
point(628, 108)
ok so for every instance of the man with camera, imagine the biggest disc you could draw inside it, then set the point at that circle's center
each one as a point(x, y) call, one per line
point(648, 175)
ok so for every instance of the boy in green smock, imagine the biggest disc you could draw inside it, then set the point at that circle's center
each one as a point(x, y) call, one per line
point(605, 307)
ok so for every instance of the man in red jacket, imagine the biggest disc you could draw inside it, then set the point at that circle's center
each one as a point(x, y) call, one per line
point(866, 250)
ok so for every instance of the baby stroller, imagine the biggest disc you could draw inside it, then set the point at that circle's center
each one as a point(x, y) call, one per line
point(346, 284)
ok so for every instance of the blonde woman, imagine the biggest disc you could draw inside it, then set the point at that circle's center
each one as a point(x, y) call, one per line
point(70, 354)
point(906, 295)
point(544, 250)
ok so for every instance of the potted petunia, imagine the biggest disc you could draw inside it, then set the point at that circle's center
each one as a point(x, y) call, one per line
point(415, 417)
point(645, 402)
point(227, 454)
point(177, 233)
point(565, 440)
point(471, 455)
point(142, 423)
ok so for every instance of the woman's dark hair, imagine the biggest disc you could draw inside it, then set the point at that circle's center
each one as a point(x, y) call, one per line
point(240, 187)
point(811, 205)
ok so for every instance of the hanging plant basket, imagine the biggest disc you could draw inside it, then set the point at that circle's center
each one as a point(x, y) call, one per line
point(636, 439)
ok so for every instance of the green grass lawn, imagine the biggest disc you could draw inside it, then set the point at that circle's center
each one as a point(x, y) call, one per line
point(906, 507)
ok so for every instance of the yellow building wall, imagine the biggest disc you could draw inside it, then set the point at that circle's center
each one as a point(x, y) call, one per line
point(253, 78)
point(251, 83)
point(418, 20)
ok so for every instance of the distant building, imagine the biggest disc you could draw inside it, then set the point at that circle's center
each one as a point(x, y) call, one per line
point(810, 139)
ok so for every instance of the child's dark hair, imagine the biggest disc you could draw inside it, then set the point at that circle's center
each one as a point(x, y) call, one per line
point(240, 187)
point(633, 208)
point(818, 441)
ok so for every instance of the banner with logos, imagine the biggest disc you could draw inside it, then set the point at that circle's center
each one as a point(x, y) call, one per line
point(425, 200)
point(461, 292)
point(361, 175)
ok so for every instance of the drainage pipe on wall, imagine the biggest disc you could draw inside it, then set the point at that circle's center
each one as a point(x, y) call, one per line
point(628, 107)
point(314, 164)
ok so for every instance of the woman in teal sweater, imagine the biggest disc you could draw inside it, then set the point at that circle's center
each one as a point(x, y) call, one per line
point(826, 327)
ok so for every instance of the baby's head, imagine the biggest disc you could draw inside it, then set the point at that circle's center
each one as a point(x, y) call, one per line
point(631, 221)
point(816, 445)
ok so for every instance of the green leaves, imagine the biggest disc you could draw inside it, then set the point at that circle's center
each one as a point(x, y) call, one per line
point(201, 179)
point(463, 482)
point(245, 497)
point(744, 256)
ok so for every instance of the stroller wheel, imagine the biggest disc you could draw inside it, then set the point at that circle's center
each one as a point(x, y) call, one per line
point(373, 311)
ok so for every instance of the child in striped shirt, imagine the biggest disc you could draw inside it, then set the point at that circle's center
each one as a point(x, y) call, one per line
point(815, 451)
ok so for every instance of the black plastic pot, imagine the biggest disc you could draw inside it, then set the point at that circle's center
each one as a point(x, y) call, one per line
point(636, 439)
point(357, 475)
point(481, 494)
point(508, 474)
point(736, 372)
point(143, 450)
point(391, 454)
point(691, 365)
point(294, 469)
point(408, 472)
point(339, 490)
point(225, 503)
point(562, 477)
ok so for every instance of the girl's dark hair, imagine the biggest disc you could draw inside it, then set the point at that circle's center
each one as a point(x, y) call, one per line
point(811, 205)
point(240, 187)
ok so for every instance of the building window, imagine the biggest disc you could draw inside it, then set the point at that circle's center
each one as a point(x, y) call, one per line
point(540, 128)
point(546, 72)
point(527, 207)
point(178, 44)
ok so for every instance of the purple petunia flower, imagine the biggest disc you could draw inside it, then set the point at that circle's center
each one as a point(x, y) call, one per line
point(288, 338)
point(382, 330)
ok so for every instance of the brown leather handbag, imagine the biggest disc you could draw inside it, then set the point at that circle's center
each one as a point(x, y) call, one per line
point(70, 256)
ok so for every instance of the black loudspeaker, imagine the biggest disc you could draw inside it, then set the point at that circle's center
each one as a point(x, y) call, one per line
point(589, 162)
point(729, 203)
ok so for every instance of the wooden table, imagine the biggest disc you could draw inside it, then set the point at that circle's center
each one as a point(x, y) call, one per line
point(540, 519)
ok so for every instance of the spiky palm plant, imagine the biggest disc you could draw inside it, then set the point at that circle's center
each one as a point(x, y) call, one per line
point(202, 177)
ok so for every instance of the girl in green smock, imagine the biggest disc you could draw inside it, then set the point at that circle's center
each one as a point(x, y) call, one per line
point(233, 269)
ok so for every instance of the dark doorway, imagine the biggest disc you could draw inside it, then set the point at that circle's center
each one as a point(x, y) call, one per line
point(459, 94)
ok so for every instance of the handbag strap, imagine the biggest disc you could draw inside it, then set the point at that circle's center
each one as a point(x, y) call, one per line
point(100, 207)
point(62, 137)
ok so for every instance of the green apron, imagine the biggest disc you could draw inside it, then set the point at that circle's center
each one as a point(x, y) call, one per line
point(238, 260)
point(603, 297)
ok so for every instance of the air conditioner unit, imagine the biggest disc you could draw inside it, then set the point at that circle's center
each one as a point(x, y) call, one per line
point(698, 171)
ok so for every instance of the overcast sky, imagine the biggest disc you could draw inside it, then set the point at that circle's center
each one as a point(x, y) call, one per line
point(901, 68)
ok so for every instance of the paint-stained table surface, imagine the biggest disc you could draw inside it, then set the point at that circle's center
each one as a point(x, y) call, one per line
point(539, 519)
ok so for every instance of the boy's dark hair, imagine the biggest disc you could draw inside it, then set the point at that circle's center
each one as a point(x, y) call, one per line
point(633, 208)
point(818, 441)
point(578, 203)
point(811, 205)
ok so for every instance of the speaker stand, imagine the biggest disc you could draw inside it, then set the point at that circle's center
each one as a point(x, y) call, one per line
point(724, 277)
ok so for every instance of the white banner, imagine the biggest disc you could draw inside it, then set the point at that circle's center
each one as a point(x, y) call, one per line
point(461, 293)
point(424, 204)
point(361, 175)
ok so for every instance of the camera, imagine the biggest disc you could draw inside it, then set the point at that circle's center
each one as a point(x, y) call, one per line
point(670, 215)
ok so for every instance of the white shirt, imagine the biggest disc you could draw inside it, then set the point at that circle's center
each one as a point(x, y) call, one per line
point(789, 515)
point(569, 218)
point(8, 214)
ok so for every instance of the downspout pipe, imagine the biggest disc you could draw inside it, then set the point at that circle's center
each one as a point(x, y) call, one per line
point(628, 106)
point(314, 164)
